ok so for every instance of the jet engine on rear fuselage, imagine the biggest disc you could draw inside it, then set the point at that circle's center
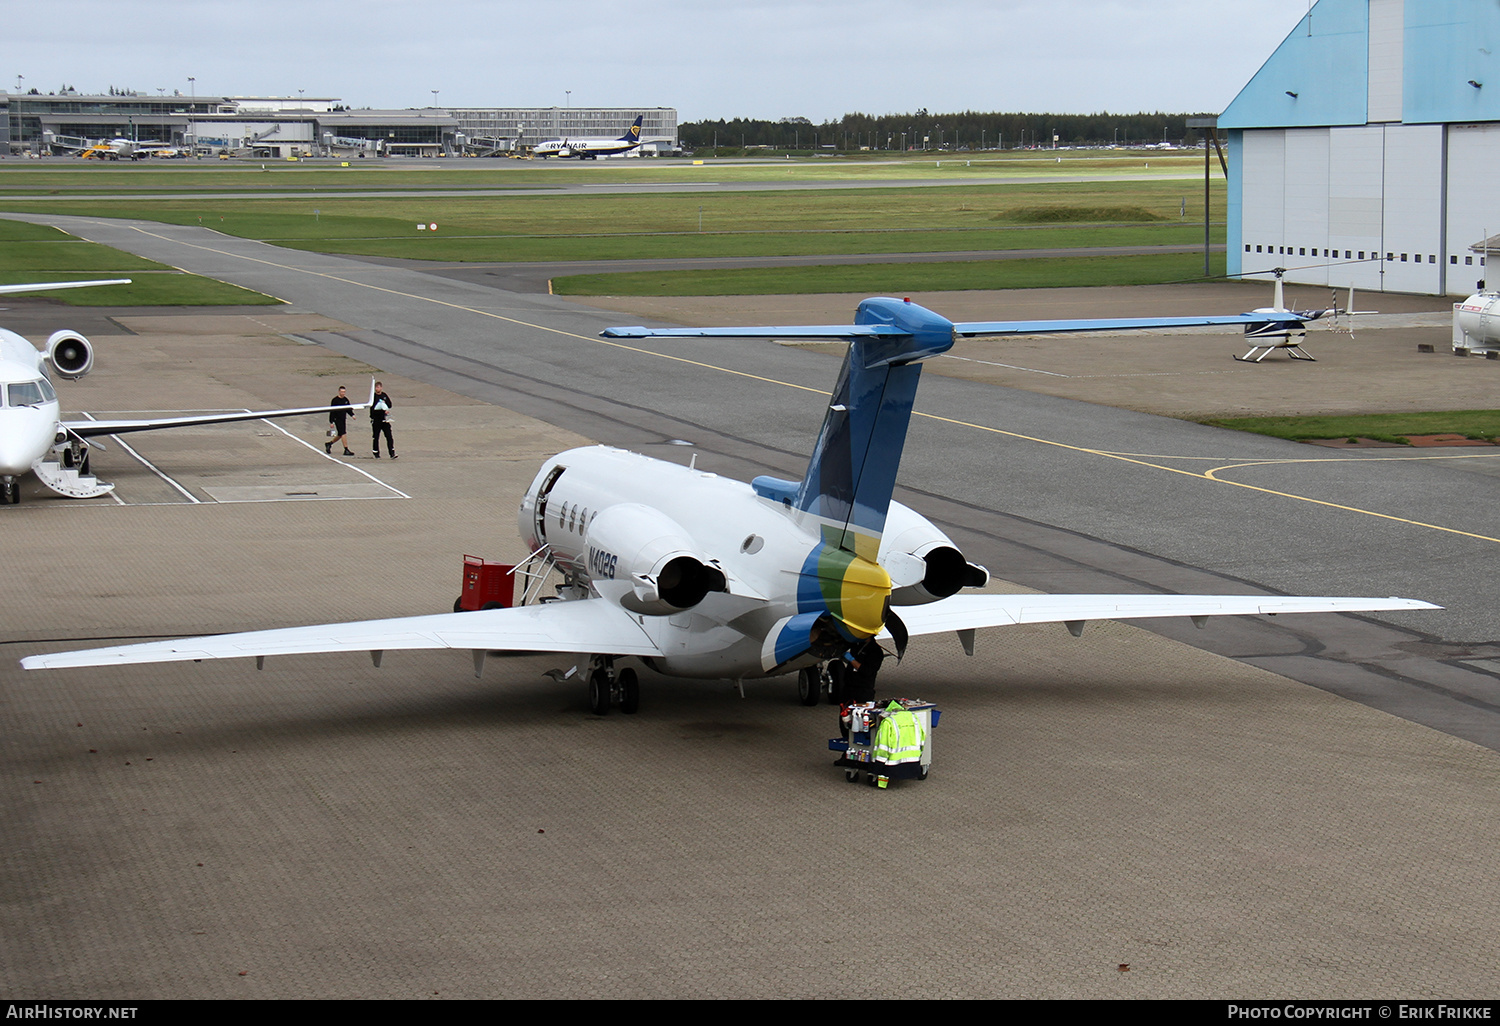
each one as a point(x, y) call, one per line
point(923, 562)
point(648, 551)
point(70, 354)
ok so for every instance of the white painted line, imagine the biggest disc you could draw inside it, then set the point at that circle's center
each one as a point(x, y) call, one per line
point(335, 459)
point(151, 467)
point(1007, 366)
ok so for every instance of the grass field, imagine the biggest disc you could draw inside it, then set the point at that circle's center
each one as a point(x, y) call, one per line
point(36, 253)
point(400, 174)
point(1381, 427)
point(682, 225)
point(1023, 201)
point(894, 279)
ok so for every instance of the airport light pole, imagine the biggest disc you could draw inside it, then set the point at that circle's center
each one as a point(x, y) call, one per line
point(1208, 125)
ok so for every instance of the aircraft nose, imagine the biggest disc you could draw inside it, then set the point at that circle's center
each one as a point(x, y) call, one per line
point(25, 435)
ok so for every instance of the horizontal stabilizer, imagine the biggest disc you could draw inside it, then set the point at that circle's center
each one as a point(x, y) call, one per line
point(971, 329)
point(771, 331)
point(966, 612)
point(583, 626)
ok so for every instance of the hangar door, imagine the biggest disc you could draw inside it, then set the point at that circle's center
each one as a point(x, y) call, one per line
point(1357, 206)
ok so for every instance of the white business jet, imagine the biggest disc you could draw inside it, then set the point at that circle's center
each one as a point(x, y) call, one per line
point(701, 576)
point(33, 437)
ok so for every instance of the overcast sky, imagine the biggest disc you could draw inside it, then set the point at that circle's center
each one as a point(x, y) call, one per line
point(747, 58)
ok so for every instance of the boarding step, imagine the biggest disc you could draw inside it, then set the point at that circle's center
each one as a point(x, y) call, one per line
point(68, 481)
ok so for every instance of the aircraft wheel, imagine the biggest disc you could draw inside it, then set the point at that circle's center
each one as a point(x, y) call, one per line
point(599, 693)
point(630, 692)
point(808, 685)
point(10, 491)
point(835, 671)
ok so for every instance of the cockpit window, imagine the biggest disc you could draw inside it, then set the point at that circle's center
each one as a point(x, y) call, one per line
point(29, 393)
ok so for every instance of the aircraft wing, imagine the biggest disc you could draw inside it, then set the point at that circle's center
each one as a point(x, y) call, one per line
point(582, 626)
point(967, 612)
point(772, 331)
point(95, 428)
point(49, 286)
point(970, 329)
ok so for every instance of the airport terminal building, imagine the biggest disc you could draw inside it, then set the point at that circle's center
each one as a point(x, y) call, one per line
point(280, 127)
point(1364, 152)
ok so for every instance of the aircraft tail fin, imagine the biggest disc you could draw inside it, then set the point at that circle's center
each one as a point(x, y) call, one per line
point(633, 133)
point(852, 472)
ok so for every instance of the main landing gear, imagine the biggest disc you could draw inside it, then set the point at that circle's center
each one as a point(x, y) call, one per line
point(812, 681)
point(609, 687)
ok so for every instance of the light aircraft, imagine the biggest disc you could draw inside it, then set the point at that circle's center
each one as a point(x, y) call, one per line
point(591, 149)
point(702, 576)
point(31, 430)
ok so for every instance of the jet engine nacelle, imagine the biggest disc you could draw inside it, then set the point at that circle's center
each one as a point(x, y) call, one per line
point(70, 354)
point(652, 556)
point(923, 562)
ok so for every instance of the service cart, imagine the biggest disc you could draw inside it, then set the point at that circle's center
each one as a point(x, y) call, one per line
point(857, 751)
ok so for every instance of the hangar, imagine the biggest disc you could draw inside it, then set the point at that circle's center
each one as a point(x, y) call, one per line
point(1364, 150)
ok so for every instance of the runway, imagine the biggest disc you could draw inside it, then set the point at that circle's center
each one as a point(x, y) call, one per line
point(1129, 801)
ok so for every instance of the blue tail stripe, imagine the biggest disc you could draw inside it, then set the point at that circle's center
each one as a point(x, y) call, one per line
point(853, 469)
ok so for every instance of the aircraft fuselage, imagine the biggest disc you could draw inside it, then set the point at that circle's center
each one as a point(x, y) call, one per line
point(615, 519)
point(28, 406)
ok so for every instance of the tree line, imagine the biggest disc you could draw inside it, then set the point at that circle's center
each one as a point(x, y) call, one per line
point(923, 131)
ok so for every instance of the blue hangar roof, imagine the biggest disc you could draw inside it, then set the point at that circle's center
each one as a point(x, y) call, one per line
point(1320, 74)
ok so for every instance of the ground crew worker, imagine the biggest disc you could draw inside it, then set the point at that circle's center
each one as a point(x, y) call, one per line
point(863, 663)
point(898, 740)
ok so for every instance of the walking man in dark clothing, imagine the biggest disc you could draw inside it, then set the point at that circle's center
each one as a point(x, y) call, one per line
point(336, 422)
point(380, 422)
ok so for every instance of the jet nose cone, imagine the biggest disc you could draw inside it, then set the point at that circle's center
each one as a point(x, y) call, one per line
point(25, 436)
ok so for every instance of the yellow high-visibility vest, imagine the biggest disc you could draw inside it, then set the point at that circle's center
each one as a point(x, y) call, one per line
point(899, 738)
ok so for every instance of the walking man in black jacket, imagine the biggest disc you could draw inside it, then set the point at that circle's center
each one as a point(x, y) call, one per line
point(380, 422)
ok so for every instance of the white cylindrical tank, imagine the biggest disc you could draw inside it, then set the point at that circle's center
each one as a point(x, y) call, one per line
point(1476, 322)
